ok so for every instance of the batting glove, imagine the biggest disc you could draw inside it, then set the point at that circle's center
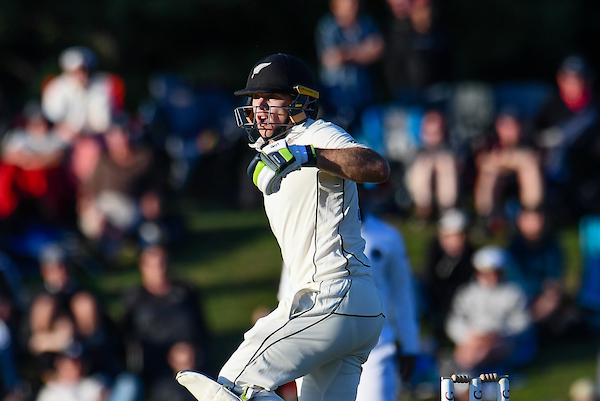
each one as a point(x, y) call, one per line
point(277, 160)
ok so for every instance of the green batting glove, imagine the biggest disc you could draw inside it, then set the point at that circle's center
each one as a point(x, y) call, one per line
point(277, 160)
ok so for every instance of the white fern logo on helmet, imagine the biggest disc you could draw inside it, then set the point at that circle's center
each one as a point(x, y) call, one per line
point(258, 68)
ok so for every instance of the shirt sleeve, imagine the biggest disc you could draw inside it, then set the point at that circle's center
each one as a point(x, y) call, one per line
point(326, 135)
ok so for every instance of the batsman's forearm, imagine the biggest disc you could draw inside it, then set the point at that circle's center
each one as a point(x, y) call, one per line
point(355, 164)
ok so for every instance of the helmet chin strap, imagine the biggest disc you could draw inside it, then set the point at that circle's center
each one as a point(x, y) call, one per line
point(278, 133)
point(296, 112)
point(298, 118)
point(261, 141)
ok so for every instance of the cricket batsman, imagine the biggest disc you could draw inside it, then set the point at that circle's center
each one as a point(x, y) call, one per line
point(307, 170)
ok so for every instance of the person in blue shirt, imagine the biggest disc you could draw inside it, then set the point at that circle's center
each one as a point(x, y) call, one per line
point(537, 264)
point(348, 43)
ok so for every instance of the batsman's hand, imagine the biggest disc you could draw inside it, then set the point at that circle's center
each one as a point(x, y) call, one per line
point(277, 160)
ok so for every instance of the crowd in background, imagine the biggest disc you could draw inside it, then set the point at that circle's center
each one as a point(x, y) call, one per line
point(87, 186)
point(84, 182)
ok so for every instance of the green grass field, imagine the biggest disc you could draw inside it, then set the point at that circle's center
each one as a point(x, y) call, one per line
point(233, 259)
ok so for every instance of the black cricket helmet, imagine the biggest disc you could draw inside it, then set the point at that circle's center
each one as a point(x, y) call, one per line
point(283, 74)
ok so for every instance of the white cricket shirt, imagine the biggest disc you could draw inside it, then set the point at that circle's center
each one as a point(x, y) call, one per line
point(315, 215)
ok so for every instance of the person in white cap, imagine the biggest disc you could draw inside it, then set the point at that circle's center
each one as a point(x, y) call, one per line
point(447, 266)
point(80, 100)
point(489, 322)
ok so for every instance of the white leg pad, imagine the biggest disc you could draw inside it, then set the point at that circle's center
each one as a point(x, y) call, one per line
point(203, 387)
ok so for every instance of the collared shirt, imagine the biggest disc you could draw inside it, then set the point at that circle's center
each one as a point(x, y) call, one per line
point(315, 215)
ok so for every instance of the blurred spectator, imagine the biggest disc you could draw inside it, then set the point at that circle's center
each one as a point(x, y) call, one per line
point(102, 348)
point(83, 160)
point(181, 356)
point(393, 130)
point(50, 328)
point(80, 100)
point(415, 49)
point(567, 129)
point(434, 173)
point(33, 182)
point(12, 386)
point(583, 389)
point(447, 267)
point(58, 279)
point(488, 321)
point(348, 43)
point(190, 126)
point(97, 335)
point(159, 313)
point(471, 111)
point(123, 190)
point(82, 330)
point(506, 159)
point(13, 294)
point(11, 307)
point(71, 382)
point(588, 293)
point(537, 265)
point(51, 331)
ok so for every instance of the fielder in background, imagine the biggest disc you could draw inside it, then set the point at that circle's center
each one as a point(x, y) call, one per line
point(392, 361)
point(307, 170)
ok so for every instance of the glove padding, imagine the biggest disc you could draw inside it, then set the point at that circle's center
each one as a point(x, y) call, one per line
point(277, 160)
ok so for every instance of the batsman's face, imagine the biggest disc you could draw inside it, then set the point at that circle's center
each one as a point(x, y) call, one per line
point(270, 112)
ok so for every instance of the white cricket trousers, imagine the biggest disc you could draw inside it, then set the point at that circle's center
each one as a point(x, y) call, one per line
point(380, 380)
point(319, 337)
